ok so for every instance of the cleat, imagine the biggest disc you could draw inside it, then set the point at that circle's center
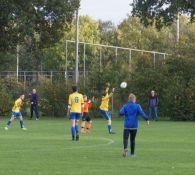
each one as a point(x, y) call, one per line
point(112, 132)
point(73, 138)
point(24, 129)
point(125, 153)
point(132, 156)
point(6, 128)
point(77, 137)
point(37, 118)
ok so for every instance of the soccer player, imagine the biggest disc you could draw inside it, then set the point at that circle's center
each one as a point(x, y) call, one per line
point(105, 106)
point(75, 107)
point(16, 113)
point(131, 110)
point(85, 115)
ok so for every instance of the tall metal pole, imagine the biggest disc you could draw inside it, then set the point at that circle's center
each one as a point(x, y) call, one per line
point(177, 30)
point(84, 71)
point(76, 47)
point(17, 62)
point(66, 55)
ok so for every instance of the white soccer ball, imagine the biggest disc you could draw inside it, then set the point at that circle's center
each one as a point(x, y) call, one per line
point(123, 85)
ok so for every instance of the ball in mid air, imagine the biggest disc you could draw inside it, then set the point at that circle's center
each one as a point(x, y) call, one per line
point(123, 85)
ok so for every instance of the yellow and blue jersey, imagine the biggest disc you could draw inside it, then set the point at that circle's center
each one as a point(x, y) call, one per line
point(17, 105)
point(75, 102)
point(105, 101)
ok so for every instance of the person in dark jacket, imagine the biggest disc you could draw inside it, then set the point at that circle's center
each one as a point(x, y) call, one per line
point(34, 105)
point(153, 105)
point(131, 110)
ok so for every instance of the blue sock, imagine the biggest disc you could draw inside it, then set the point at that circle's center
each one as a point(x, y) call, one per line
point(77, 129)
point(73, 131)
point(8, 123)
point(109, 128)
point(21, 124)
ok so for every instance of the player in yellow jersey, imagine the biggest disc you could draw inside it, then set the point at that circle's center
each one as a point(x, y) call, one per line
point(75, 108)
point(16, 113)
point(104, 107)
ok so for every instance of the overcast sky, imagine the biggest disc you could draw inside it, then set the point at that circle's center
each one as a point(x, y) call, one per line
point(113, 10)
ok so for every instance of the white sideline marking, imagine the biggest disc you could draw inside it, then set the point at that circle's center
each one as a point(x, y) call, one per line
point(109, 142)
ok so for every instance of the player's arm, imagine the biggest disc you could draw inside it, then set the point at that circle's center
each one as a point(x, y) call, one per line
point(111, 94)
point(69, 106)
point(143, 115)
point(82, 104)
point(122, 111)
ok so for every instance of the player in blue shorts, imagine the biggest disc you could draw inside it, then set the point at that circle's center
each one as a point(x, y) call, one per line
point(75, 108)
point(16, 113)
point(104, 107)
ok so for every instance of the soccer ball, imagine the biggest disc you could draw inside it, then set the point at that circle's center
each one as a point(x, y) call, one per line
point(123, 85)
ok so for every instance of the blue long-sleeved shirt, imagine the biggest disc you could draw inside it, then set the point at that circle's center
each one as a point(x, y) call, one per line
point(34, 99)
point(131, 111)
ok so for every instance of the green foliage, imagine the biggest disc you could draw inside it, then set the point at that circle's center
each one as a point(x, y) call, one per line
point(162, 12)
point(10, 90)
point(39, 22)
point(52, 98)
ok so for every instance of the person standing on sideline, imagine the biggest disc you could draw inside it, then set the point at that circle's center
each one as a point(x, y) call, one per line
point(131, 110)
point(16, 113)
point(153, 105)
point(104, 107)
point(34, 105)
point(75, 108)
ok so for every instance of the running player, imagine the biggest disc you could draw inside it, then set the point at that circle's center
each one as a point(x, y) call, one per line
point(131, 110)
point(75, 107)
point(105, 106)
point(85, 116)
point(16, 113)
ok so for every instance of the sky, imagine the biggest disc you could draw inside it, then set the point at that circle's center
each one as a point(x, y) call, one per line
point(112, 10)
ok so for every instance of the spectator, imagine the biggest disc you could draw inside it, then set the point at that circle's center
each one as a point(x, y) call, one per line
point(153, 105)
point(34, 105)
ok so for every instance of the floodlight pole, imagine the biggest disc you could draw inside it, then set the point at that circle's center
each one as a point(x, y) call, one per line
point(178, 29)
point(76, 47)
point(17, 62)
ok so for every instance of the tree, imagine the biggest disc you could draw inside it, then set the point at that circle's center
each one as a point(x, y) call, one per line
point(34, 21)
point(162, 12)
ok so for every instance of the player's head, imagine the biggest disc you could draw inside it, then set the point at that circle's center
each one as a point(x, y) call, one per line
point(74, 88)
point(22, 96)
point(152, 92)
point(85, 97)
point(132, 98)
point(34, 91)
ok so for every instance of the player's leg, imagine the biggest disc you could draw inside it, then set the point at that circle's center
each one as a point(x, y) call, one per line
point(156, 113)
point(83, 123)
point(77, 125)
point(133, 133)
point(125, 141)
point(108, 118)
point(21, 122)
point(109, 126)
point(10, 121)
point(36, 112)
point(72, 118)
point(89, 122)
point(31, 111)
point(150, 113)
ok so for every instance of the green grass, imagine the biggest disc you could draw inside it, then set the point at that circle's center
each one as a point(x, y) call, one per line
point(164, 148)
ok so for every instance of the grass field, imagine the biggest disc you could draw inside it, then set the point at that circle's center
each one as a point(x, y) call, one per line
point(164, 148)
